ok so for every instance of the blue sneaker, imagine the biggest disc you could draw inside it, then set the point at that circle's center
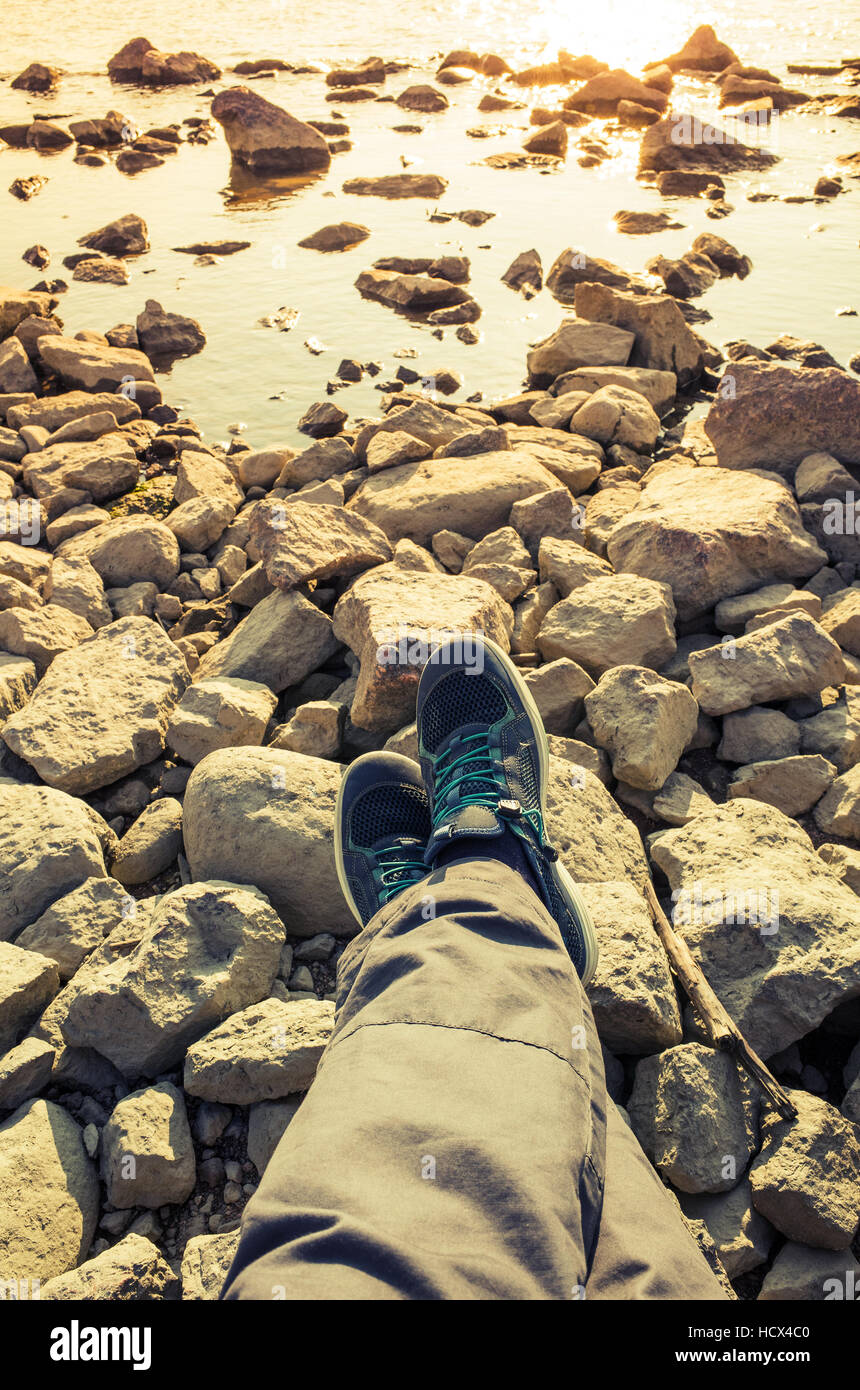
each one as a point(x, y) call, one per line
point(485, 760)
point(382, 824)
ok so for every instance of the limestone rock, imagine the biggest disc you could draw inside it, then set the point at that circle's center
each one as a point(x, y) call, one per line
point(844, 862)
point(742, 1236)
point(93, 366)
point(128, 550)
point(806, 1180)
point(41, 634)
point(219, 713)
point(205, 1264)
point(265, 138)
point(265, 1052)
point(663, 339)
point(643, 721)
point(558, 688)
point(392, 619)
point(841, 619)
point(50, 1193)
point(49, 845)
point(151, 843)
point(772, 927)
point(775, 416)
point(658, 387)
point(568, 565)
point(632, 992)
point(17, 682)
point(281, 641)
point(207, 950)
point(266, 817)
point(147, 1157)
point(267, 1123)
point(102, 709)
point(759, 734)
point(316, 728)
point(838, 811)
point(28, 982)
point(691, 1112)
point(801, 1274)
point(616, 415)
point(595, 840)
point(132, 1270)
point(77, 923)
point(710, 533)
point(793, 785)
point(578, 343)
point(619, 620)
point(198, 523)
point(389, 450)
point(791, 657)
point(299, 541)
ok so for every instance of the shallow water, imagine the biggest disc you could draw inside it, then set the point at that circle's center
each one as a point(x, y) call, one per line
point(805, 256)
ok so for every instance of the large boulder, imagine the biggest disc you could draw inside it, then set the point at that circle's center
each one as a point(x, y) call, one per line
point(50, 843)
point(775, 416)
point(267, 1051)
point(709, 534)
point(301, 541)
point(601, 94)
point(392, 619)
point(791, 657)
point(133, 1270)
point(771, 925)
point(205, 951)
point(127, 550)
point(415, 500)
point(613, 621)
point(53, 412)
point(283, 639)
point(664, 340)
point(265, 816)
point(125, 236)
point(50, 1194)
point(265, 138)
point(102, 709)
point(103, 467)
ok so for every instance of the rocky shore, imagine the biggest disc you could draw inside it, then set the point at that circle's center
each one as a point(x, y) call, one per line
point(196, 638)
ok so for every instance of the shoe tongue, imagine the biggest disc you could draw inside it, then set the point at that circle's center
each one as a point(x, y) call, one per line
point(469, 820)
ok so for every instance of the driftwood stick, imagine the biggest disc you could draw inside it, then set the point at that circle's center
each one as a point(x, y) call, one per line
point(724, 1032)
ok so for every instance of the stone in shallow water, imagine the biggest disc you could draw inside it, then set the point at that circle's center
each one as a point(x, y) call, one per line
point(267, 139)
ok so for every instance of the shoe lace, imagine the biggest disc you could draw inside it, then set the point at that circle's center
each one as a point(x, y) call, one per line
point(399, 866)
point(474, 775)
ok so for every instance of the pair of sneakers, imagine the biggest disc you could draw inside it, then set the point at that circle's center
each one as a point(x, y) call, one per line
point(483, 773)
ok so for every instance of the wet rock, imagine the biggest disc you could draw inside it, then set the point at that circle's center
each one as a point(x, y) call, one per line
point(322, 420)
point(45, 135)
point(686, 277)
point(281, 641)
point(339, 236)
point(25, 189)
point(643, 223)
point(775, 416)
point(138, 61)
point(548, 139)
point(663, 340)
point(388, 618)
point(684, 142)
point(685, 183)
point(643, 721)
point(101, 270)
point(422, 97)
point(806, 1180)
point(410, 293)
point(265, 138)
point(632, 993)
point(37, 77)
point(372, 70)
point(573, 267)
point(711, 533)
point(164, 335)
point(691, 1113)
point(219, 713)
point(102, 710)
point(791, 657)
point(51, 1192)
point(417, 500)
point(767, 920)
point(613, 621)
point(205, 951)
point(266, 817)
point(126, 236)
point(265, 1052)
point(132, 1270)
point(398, 186)
point(791, 784)
point(151, 844)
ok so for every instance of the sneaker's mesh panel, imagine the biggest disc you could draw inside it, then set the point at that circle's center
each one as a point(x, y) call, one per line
point(461, 698)
point(528, 777)
point(391, 810)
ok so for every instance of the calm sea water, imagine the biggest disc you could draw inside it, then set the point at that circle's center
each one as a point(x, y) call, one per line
point(806, 257)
